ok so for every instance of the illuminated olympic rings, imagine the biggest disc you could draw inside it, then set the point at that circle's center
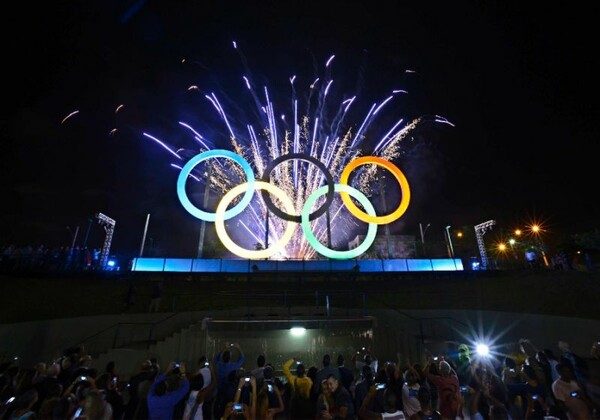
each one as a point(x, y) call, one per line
point(328, 252)
point(187, 169)
point(238, 250)
point(301, 156)
point(358, 213)
point(221, 214)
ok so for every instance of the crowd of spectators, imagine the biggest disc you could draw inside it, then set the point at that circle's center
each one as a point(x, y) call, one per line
point(43, 258)
point(526, 383)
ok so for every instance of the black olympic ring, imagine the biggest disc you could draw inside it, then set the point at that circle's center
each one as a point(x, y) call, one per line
point(290, 217)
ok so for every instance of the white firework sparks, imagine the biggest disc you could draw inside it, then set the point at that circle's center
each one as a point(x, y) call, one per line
point(321, 132)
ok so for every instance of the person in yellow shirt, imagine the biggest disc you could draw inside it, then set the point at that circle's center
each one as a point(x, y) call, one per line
point(301, 405)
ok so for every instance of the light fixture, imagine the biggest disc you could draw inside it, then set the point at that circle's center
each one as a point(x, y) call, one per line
point(482, 349)
point(297, 331)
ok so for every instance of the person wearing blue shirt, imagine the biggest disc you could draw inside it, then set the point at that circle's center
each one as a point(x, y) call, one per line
point(167, 391)
point(224, 365)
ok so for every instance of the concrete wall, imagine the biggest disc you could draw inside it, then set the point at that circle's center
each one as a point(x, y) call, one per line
point(182, 336)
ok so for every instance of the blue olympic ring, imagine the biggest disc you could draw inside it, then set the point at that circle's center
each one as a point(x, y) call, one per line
point(187, 169)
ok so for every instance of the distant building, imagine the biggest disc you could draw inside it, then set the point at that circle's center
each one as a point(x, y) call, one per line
point(400, 246)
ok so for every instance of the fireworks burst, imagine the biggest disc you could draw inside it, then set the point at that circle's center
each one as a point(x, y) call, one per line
point(321, 131)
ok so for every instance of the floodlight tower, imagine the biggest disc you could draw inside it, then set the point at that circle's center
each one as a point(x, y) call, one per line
point(480, 230)
point(109, 228)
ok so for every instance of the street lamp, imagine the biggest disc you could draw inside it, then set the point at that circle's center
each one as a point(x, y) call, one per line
point(512, 243)
point(537, 230)
point(423, 231)
point(144, 235)
point(449, 241)
point(74, 235)
point(87, 232)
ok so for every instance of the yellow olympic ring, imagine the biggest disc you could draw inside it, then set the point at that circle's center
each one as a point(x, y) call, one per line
point(235, 248)
point(361, 215)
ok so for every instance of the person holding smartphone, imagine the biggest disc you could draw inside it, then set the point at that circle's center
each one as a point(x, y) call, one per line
point(389, 405)
point(569, 395)
point(410, 391)
point(269, 401)
point(199, 393)
point(224, 364)
point(167, 391)
point(448, 388)
point(236, 409)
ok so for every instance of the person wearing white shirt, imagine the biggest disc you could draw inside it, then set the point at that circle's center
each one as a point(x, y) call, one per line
point(569, 394)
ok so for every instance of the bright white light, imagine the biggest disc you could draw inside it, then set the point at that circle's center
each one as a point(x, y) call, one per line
point(482, 350)
point(111, 263)
point(297, 331)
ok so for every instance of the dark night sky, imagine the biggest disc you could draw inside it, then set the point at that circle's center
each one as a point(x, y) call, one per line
point(518, 82)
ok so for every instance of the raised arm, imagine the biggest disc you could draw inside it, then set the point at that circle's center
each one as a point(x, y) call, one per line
point(241, 358)
point(253, 398)
point(286, 371)
point(272, 412)
point(364, 413)
point(209, 389)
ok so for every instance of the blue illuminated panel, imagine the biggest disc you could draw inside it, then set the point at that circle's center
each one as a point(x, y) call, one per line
point(317, 265)
point(419, 265)
point(445, 264)
point(178, 265)
point(370, 265)
point(291, 265)
point(236, 266)
point(342, 265)
point(187, 265)
point(148, 264)
point(395, 265)
point(265, 265)
point(207, 266)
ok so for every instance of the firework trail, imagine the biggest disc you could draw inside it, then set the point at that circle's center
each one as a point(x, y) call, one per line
point(69, 116)
point(321, 131)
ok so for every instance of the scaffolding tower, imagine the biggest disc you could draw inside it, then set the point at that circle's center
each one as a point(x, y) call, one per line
point(109, 228)
point(480, 230)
